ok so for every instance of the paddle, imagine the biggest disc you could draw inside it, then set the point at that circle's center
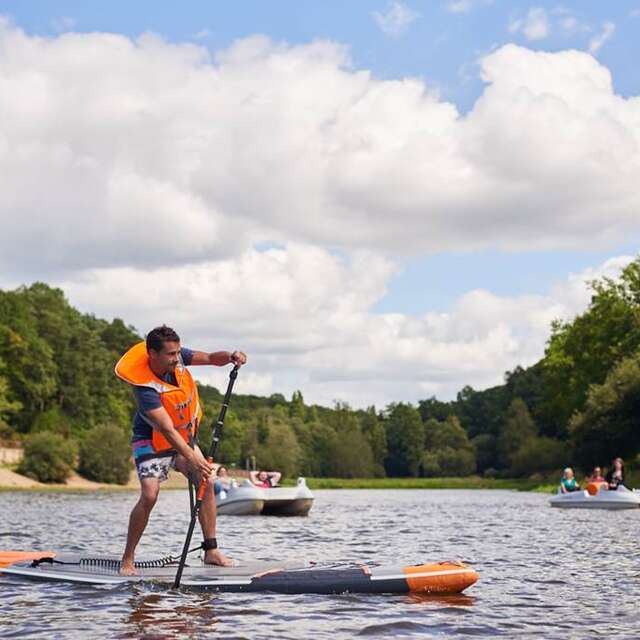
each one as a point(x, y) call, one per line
point(215, 438)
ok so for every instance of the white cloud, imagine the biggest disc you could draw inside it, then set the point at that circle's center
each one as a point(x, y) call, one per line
point(465, 6)
point(459, 6)
point(597, 42)
point(141, 175)
point(397, 18)
point(535, 26)
point(305, 318)
point(119, 153)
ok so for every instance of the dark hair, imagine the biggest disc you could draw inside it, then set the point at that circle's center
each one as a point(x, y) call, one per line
point(220, 468)
point(158, 336)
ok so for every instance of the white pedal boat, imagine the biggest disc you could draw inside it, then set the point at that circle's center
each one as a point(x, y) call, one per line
point(247, 499)
point(597, 498)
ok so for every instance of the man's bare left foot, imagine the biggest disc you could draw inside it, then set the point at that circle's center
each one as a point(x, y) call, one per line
point(127, 568)
point(217, 558)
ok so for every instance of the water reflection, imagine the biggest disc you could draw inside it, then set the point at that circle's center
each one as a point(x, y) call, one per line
point(165, 616)
point(458, 600)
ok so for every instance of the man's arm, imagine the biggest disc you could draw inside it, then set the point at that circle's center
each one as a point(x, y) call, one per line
point(219, 358)
point(162, 422)
point(275, 477)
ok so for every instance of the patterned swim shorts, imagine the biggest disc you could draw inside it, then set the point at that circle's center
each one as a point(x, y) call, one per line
point(156, 467)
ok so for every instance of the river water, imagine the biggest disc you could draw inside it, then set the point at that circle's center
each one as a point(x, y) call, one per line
point(544, 573)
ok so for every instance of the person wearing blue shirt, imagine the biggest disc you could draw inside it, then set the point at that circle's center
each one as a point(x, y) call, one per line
point(152, 418)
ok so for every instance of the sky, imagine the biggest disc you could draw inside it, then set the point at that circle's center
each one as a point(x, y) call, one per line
point(377, 201)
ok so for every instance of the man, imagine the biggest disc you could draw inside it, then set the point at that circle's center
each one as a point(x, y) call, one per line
point(163, 430)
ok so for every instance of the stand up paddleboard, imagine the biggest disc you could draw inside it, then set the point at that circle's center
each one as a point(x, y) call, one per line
point(440, 578)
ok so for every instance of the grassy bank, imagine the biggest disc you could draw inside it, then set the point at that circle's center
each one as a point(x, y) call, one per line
point(77, 484)
point(472, 482)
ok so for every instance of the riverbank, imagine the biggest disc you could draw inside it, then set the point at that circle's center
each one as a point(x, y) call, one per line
point(12, 481)
point(471, 482)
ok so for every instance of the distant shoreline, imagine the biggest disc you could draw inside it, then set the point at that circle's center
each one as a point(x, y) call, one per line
point(15, 482)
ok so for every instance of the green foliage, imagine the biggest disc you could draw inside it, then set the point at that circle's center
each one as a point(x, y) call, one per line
point(105, 455)
point(8, 407)
point(432, 408)
point(61, 359)
point(373, 429)
point(517, 428)
point(582, 352)
point(608, 425)
point(233, 436)
point(405, 439)
point(538, 455)
point(52, 420)
point(56, 376)
point(448, 449)
point(296, 407)
point(486, 448)
point(281, 450)
point(48, 457)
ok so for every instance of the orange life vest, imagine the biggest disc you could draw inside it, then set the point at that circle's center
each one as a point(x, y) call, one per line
point(181, 402)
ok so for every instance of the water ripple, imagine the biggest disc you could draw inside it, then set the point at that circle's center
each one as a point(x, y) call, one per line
point(544, 572)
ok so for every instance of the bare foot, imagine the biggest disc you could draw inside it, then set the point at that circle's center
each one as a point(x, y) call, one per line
point(216, 557)
point(127, 568)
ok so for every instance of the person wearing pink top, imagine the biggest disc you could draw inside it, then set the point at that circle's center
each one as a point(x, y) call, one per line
point(596, 475)
point(265, 479)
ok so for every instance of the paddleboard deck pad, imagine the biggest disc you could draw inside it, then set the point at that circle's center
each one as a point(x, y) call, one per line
point(280, 577)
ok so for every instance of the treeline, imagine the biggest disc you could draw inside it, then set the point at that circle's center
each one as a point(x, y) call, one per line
point(579, 405)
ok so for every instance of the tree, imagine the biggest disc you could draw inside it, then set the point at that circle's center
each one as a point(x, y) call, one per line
point(373, 429)
point(486, 448)
point(48, 457)
point(281, 450)
point(582, 352)
point(105, 455)
point(434, 408)
point(609, 424)
point(297, 408)
point(538, 455)
point(448, 450)
point(405, 440)
point(518, 427)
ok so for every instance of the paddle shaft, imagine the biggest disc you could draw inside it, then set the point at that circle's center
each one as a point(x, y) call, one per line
point(215, 439)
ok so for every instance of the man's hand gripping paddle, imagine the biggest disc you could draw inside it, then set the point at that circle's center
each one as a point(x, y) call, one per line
point(217, 434)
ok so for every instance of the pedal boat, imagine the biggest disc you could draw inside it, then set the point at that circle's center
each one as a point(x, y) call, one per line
point(597, 496)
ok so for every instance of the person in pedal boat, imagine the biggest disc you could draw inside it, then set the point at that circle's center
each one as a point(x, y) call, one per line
point(615, 475)
point(265, 479)
point(164, 428)
point(596, 476)
point(568, 483)
point(223, 481)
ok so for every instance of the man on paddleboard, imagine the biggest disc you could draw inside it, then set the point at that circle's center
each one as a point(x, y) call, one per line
point(164, 428)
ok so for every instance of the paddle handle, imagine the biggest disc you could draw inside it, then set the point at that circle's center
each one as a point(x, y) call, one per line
point(202, 487)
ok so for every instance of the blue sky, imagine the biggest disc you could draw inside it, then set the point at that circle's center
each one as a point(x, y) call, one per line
point(442, 44)
point(439, 45)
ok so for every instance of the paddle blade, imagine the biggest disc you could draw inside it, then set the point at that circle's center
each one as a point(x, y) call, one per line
point(9, 557)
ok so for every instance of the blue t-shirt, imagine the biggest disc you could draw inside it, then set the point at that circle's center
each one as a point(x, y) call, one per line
point(148, 399)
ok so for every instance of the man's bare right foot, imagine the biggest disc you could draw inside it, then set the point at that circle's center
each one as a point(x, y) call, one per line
point(217, 558)
point(127, 568)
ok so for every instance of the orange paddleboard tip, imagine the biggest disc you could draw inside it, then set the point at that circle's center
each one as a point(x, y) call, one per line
point(442, 578)
point(9, 557)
